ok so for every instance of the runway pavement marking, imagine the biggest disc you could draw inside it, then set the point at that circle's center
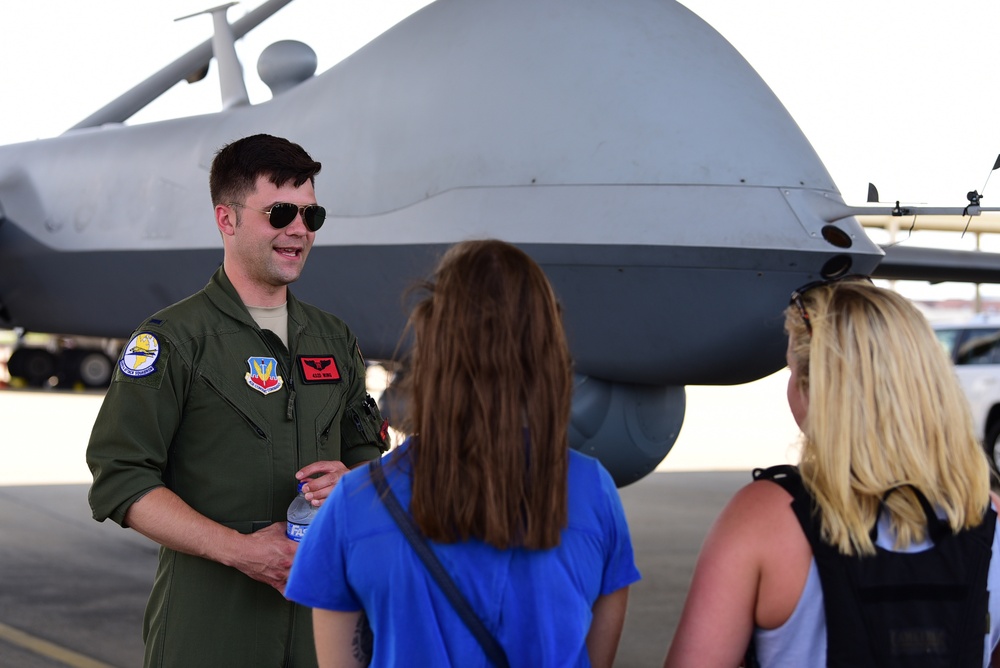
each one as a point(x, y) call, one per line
point(47, 649)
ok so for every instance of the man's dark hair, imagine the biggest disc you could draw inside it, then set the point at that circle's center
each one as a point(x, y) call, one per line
point(238, 165)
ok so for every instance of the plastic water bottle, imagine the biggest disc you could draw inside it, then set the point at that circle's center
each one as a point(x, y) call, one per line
point(300, 516)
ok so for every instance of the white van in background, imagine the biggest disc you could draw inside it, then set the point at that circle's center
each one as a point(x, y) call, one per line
point(974, 347)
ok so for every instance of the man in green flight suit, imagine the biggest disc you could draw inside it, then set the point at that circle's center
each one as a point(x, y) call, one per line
point(219, 405)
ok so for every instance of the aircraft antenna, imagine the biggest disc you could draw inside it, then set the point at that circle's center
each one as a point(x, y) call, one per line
point(872, 193)
point(234, 89)
point(975, 197)
point(913, 221)
point(897, 211)
point(126, 105)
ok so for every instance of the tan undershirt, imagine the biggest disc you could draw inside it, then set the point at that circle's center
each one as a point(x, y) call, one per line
point(274, 318)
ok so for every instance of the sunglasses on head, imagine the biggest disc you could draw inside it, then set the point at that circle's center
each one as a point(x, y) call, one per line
point(798, 293)
point(282, 214)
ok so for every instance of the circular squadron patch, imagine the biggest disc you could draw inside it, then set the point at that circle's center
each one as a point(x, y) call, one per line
point(140, 356)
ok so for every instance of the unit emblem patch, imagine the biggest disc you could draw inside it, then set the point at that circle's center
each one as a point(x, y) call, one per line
point(140, 356)
point(263, 375)
point(319, 369)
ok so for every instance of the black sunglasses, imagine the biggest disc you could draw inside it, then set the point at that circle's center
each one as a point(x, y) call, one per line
point(283, 213)
point(798, 293)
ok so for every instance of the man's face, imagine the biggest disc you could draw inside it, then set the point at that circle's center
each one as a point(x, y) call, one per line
point(265, 255)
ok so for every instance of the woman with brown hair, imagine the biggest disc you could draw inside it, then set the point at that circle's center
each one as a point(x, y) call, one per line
point(532, 533)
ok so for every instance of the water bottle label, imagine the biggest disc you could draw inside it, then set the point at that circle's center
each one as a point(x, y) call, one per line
point(296, 531)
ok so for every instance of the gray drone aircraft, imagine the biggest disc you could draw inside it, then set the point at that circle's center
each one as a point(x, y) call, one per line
point(626, 145)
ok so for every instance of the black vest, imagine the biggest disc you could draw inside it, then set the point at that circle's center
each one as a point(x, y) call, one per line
point(921, 610)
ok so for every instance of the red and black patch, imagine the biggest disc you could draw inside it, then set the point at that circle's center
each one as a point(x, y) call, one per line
point(319, 369)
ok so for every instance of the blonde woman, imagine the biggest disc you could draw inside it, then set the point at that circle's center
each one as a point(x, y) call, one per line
point(841, 562)
point(532, 534)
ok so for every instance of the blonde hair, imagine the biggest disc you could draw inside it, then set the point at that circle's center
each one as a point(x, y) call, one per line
point(885, 410)
point(490, 383)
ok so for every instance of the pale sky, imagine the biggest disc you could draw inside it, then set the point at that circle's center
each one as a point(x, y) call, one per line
point(900, 93)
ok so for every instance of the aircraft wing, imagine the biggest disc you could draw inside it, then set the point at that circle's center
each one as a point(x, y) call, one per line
point(937, 265)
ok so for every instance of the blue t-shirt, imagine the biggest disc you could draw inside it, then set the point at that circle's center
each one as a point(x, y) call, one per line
point(537, 603)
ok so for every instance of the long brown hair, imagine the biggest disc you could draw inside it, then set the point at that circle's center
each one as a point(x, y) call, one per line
point(490, 383)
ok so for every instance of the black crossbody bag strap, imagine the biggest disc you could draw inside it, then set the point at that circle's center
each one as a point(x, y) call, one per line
point(494, 652)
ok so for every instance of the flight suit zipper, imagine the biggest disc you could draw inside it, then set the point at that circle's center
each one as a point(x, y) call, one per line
point(290, 416)
point(289, 380)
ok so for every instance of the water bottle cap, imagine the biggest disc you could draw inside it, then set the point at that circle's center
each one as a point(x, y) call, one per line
point(300, 486)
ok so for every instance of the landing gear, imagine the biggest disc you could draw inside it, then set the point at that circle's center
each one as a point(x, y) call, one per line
point(34, 366)
point(91, 368)
point(66, 368)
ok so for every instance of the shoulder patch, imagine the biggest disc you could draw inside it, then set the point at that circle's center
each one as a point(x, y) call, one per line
point(319, 369)
point(140, 355)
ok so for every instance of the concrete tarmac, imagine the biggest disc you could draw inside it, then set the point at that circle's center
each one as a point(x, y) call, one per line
point(72, 591)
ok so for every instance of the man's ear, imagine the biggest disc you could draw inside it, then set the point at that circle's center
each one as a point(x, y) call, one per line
point(225, 219)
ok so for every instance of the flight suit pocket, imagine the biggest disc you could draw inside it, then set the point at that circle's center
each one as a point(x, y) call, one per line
point(364, 425)
point(221, 458)
point(240, 414)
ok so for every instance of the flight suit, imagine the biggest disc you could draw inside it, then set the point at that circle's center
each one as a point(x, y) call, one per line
point(207, 404)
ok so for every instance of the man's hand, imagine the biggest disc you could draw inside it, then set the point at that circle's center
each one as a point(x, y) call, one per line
point(318, 488)
point(266, 556)
point(164, 517)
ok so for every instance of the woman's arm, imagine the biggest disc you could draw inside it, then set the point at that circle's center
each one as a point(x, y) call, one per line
point(751, 571)
point(342, 639)
point(606, 628)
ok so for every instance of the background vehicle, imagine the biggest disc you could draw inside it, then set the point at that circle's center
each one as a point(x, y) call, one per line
point(45, 360)
point(974, 347)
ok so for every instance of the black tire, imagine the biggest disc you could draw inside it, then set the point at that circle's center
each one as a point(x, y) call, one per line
point(94, 368)
point(992, 445)
point(34, 366)
point(88, 367)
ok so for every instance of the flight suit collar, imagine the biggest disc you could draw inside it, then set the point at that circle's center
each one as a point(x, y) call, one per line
point(223, 294)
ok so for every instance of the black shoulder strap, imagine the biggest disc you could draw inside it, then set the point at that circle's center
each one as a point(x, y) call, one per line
point(937, 528)
point(494, 651)
point(788, 477)
point(785, 475)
